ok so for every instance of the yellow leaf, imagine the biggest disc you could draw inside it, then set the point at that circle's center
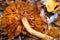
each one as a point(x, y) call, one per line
point(50, 5)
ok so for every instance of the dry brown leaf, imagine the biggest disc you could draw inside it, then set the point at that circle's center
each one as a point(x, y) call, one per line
point(54, 32)
point(57, 22)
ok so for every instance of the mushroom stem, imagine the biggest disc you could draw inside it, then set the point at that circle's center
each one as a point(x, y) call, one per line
point(32, 31)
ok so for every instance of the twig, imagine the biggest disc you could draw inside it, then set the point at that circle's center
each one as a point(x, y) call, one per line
point(34, 32)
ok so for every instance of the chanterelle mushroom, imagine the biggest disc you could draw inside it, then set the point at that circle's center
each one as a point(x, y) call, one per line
point(11, 22)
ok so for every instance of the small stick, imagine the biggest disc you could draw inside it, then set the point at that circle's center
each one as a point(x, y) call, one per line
point(34, 32)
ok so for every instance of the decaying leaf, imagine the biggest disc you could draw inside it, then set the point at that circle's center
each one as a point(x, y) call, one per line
point(57, 22)
point(5, 3)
